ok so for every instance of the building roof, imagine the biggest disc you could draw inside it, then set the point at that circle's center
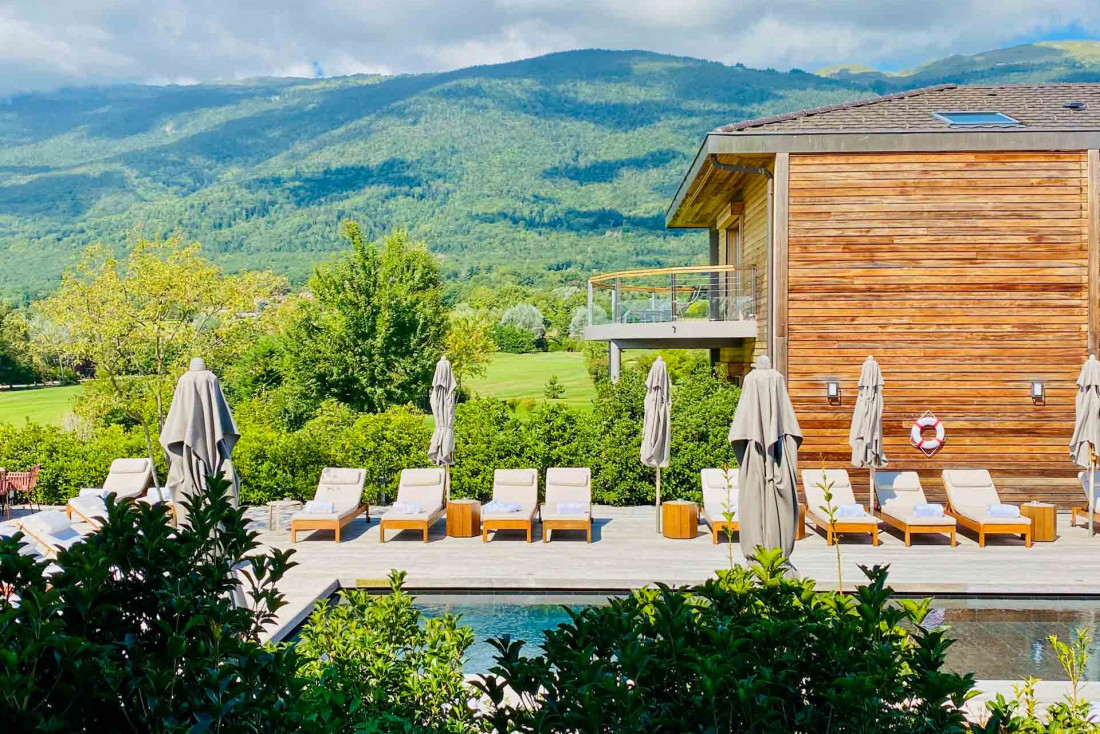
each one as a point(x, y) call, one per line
point(1034, 106)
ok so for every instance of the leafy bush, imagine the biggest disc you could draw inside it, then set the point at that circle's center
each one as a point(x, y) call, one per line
point(750, 651)
point(515, 340)
point(377, 665)
point(139, 630)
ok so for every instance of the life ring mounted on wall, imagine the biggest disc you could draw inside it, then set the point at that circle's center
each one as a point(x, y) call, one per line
point(930, 445)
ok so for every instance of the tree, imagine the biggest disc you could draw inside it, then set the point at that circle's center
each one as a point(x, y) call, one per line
point(527, 317)
point(469, 344)
point(376, 325)
point(15, 356)
point(139, 320)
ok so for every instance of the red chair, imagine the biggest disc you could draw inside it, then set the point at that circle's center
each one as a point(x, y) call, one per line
point(23, 482)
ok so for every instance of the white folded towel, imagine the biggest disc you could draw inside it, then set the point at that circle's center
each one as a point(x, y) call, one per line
point(495, 506)
point(160, 495)
point(94, 492)
point(1005, 511)
point(572, 508)
point(932, 510)
point(849, 511)
point(316, 507)
point(406, 508)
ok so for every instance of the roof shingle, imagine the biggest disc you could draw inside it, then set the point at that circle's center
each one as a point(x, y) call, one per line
point(1034, 105)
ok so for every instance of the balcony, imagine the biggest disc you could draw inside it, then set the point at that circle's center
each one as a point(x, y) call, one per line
point(688, 307)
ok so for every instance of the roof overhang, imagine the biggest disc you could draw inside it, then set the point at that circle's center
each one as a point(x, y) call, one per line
point(755, 144)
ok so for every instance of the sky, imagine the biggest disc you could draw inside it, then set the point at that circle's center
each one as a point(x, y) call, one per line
point(49, 43)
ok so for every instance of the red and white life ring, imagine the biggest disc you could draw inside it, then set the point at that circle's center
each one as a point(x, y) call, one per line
point(916, 434)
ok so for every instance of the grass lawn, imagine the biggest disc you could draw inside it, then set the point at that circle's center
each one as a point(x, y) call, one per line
point(524, 376)
point(42, 405)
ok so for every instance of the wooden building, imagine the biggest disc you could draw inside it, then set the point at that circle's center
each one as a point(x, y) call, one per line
point(951, 232)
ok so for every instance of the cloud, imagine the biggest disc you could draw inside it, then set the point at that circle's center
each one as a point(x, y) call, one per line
point(45, 44)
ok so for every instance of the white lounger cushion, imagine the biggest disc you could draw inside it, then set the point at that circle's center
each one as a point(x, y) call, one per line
point(567, 486)
point(129, 477)
point(971, 492)
point(718, 492)
point(53, 528)
point(342, 488)
point(422, 487)
point(93, 508)
point(515, 487)
point(1084, 477)
point(899, 492)
point(842, 495)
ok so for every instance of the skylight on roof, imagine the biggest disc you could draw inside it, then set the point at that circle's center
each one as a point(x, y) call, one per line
point(972, 119)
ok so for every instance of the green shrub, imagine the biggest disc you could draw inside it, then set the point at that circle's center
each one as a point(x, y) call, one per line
point(139, 632)
point(751, 651)
point(68, 461)
point(376, 664)
point(514, 340)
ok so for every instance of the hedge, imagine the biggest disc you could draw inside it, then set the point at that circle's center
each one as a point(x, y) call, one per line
point(489, 434)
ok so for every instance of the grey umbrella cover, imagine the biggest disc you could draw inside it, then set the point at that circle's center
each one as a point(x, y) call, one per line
point(656, 426)
point(442, 399)
point(198, 435)
point(765, 437)
point(865, 436)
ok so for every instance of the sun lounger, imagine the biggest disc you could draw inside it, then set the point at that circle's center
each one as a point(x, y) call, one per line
point(970, 492)
point(899, 494)
point(842, 496)
point(513, 487)
point(127, 479)
point(341, 488)
point(569, 490)
point(423, 488)
point(1083, 510)
point(51, 530)
point(719, 497)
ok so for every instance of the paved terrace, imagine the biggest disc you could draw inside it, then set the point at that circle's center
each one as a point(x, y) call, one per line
point(627, 553)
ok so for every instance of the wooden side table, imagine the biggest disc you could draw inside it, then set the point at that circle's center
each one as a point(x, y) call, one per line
point(1044, 520)
point(679, 519)
point(463, 518)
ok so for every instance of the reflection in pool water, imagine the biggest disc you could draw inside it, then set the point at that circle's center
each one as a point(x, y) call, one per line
point(996, 638)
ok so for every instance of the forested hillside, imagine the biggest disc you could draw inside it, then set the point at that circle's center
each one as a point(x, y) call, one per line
point(535, 170)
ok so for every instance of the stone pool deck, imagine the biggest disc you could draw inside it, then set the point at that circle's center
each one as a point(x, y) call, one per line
point(626, 553)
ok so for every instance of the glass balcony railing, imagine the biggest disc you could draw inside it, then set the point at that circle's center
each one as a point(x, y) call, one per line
point(702, 293)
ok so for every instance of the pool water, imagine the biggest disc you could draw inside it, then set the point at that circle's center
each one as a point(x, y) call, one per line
point(995, 638)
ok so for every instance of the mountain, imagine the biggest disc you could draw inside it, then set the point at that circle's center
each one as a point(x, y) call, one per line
point(1054, 61)
point(546, 168)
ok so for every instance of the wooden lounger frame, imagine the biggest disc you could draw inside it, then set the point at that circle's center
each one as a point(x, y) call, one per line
point(297, 524)
point(1083, 512)
point(720, 525)
point(548, 525)
point(990, 528)
point(97, 523)
point(917, 529)
point(832, 529)
point(51, 549)
point(527, 524)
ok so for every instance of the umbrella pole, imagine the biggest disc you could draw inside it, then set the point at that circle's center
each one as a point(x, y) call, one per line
point(658, 506)
point(871, 493)
point(1092, 495)
point(447, 483)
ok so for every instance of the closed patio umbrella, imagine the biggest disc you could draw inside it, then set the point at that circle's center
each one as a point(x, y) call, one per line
point(198, 435)
point(656, 426)
point(441, 451)
point(865, 436)
point(765, 437)
point(1086, 430)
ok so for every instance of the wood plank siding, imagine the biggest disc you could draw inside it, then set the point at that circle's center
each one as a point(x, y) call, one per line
point(966, 276)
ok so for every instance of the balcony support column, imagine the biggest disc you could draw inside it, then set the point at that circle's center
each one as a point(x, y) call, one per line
point(614, 361)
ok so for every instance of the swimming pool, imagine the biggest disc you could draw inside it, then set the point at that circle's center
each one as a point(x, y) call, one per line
point(996, 637)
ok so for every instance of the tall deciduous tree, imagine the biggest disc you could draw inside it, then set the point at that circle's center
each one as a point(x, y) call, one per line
point(372, 333)
point(15, 358)
point(139, 319)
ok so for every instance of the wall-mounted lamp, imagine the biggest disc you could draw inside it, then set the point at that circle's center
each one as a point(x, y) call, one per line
point(832, 391)
point(1038, 392)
